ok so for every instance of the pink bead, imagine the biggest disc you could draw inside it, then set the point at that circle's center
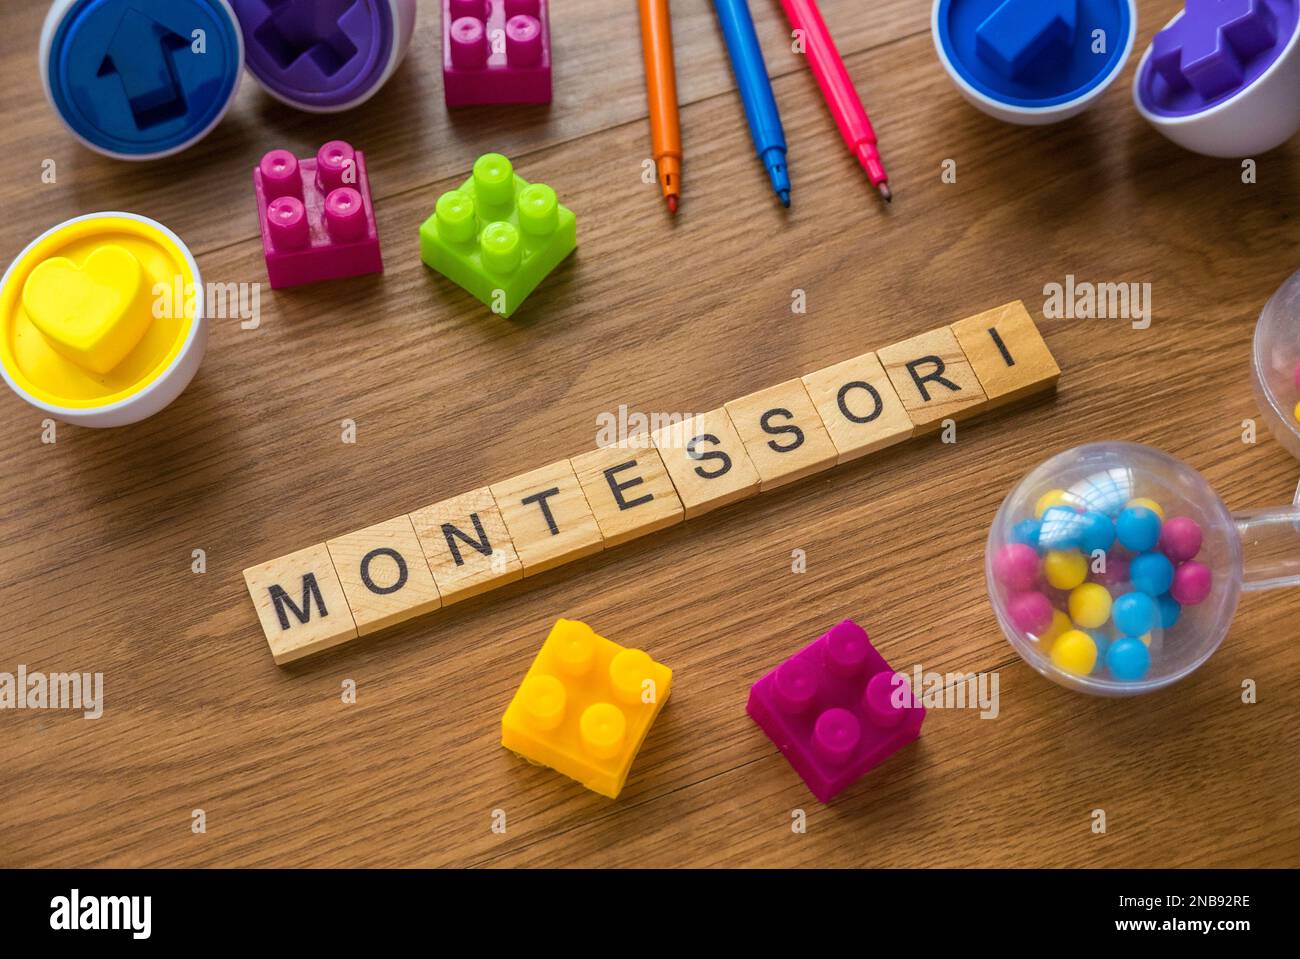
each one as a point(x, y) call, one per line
point(1016, 566)
point(1116, 572)
point(1030, 612)
point(1180, 539)
point(1192, 582)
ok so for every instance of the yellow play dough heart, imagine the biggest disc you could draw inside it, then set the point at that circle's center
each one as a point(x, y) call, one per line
point(93, 314)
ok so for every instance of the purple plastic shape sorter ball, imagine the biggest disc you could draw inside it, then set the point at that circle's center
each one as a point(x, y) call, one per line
point(496, 51)
point(316, 216)
point(836, 710)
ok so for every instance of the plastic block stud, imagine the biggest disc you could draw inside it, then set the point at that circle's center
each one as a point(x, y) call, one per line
point(498, 235)
point(585, 707)
point(495, 51)
point(836, 710)
point(317, 218)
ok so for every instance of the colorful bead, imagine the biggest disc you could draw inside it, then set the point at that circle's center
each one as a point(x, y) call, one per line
point(1016, 566)
point(1192, 582)
point(1152, 573)
point(1180, 539)
point(1134, 614)
point(1065, 570)
point(1030, 612)
point(1056, 497)
point(1128, 660)
point(1138, 528)
point(1026, 532)
point(1060, 625)
point(1147, 503)
point(1170, 609)
point(1096, 531)
point(1090, 605)
point(1075, 652)
point(1102, 642)
point(1060, 528)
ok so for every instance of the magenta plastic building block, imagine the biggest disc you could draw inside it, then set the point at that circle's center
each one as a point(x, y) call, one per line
point(317, 218)
point(495, 51)
point(836, 710)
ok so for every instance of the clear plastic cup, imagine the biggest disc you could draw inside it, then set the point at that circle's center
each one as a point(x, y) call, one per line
point(1245, 551)
point(1275, 365)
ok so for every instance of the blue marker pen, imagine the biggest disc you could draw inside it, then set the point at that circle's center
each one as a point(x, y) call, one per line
point(755, 91)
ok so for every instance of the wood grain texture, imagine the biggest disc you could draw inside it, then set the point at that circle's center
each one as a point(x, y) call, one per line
point(97, 530)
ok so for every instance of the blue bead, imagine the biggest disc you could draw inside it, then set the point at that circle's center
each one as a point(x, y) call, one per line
point(1026, 532)
point(1060, 529)
point(1134, 614)
point(1170, 610)
point(1152, 573)
point(1128, 659)
point(1138, 528)
point(1103, 643)
point(1096, 532)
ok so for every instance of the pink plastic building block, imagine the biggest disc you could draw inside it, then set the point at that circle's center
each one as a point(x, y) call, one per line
point(495, 51)
point(318, 221)
point(836, 710)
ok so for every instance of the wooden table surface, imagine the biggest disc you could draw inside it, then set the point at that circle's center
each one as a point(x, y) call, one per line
point(97, 530)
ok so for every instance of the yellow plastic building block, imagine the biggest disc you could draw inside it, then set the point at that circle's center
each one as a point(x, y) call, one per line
point(585, 707)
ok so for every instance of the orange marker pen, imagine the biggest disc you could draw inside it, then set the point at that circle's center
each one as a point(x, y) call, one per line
point(661, 94)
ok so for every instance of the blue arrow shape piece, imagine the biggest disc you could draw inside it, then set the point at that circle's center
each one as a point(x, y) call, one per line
point(1019, 32)
point(140, 54)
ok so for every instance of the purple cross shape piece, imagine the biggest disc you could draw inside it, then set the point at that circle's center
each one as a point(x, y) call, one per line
point(1211, 44)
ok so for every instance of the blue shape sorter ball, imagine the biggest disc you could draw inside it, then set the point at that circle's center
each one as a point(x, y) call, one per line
point(141, 79)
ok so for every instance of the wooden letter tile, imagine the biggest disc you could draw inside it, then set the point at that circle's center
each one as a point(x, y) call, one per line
point(1007, 353)
point(707, 462)
point(628, 489)
point(933, 378)
point(782, 433)
point(384, 574)
point(300, 603)
point(466, 544)
point(547, 516)
point(859, 407)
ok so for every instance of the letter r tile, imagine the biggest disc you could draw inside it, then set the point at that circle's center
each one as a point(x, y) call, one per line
point(300, 603)
point(933, 378)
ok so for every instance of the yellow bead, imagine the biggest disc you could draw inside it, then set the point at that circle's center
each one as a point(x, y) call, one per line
point(1056, 497)
point(1149, 504)
point(1146, 639)
point(1065, 569)
point(1297, 412)
point(1075, 652)
point(1060, 624)
point(1090, 605)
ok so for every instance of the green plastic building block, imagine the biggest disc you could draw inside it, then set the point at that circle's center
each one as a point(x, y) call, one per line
point(498, 235)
